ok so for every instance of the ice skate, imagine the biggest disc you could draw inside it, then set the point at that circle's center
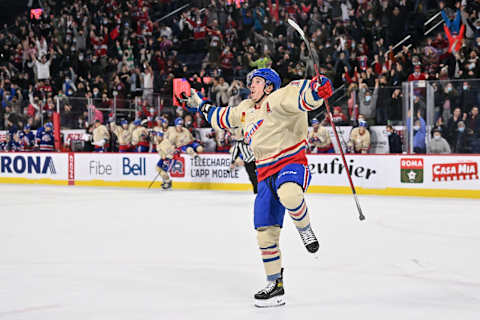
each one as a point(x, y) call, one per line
point(273, 295)
point(309, 239)
point(167, 185)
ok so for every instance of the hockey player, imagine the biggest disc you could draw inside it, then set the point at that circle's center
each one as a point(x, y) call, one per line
point(167, 154)
point(45, 140)
point(275, 124)
point(101, 137)
point(222, 139)
point(124, 135)
point(27, 139)
point(241, 150)
point(319, 138)
point(140, 136)
point(15, 142)
point(359, 138)
point(182, 139)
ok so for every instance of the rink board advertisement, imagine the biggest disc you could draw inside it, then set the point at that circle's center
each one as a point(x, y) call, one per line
point(436, 176)
point(28, 167)
point(138, 170)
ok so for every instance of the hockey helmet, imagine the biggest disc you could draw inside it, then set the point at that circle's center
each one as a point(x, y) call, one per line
point(271, 77)
point(179, 121)
point(137, 122)
point(27, 127)
point(49, 125)
point(315, 121)
point(123, 122)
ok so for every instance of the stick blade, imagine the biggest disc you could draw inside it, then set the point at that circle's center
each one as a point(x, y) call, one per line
point(296, 27)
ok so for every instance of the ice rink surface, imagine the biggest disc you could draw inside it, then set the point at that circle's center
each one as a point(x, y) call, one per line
point(96, 253)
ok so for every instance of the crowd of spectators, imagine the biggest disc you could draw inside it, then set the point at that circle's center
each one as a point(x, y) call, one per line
point(88, 53)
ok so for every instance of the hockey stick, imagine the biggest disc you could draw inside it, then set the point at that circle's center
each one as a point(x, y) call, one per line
point(330, 118)
point(172, 13)
point(153, 181)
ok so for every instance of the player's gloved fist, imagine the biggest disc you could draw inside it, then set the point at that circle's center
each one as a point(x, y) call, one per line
point(193, 103)
point(322, 87)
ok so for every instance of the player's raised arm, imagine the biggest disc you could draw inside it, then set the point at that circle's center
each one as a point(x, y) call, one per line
point(305, 95)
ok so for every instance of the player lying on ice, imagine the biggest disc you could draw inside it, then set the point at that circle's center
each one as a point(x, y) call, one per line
point(275, 123)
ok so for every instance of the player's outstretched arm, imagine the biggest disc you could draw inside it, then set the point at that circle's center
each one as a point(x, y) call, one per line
point(218, 117)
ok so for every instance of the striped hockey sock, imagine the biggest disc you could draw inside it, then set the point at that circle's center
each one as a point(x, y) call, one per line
point(272, 261)
point(300, 216)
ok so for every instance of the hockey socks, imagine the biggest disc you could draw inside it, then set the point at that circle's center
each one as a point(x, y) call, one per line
point(301, 220)
point(300, 216)
point(268, 240)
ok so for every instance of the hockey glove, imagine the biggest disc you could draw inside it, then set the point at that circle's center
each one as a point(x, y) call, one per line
point(195, 102)
point(321, 87)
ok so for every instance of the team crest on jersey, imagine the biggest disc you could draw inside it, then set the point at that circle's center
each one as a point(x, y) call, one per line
point(250, 131)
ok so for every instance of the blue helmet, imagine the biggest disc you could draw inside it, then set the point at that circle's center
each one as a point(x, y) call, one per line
point(159, 133)
point(123, 122)
point(49, 125)
point(271, 77)
point(27, 127)
point(137, 122)
point(179, 121)
point(315, 121)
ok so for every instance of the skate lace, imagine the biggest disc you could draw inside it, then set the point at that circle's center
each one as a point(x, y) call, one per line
point(308, 236)
point(269, 288)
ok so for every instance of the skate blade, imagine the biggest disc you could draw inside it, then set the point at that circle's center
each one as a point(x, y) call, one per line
point(276, 301)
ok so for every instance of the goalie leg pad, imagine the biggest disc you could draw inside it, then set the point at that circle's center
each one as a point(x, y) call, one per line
point(268, 242)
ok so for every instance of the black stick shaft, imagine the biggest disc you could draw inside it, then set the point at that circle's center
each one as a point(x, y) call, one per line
point(330, 118)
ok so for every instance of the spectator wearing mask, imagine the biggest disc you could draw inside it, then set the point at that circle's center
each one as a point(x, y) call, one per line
point(472, 124)
point(468, 96)
point(368, 101)
point(419, 133)
point(452, 125)
point(394, 140)
point(359, 139)
point(459, 138)
point(438, 144)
